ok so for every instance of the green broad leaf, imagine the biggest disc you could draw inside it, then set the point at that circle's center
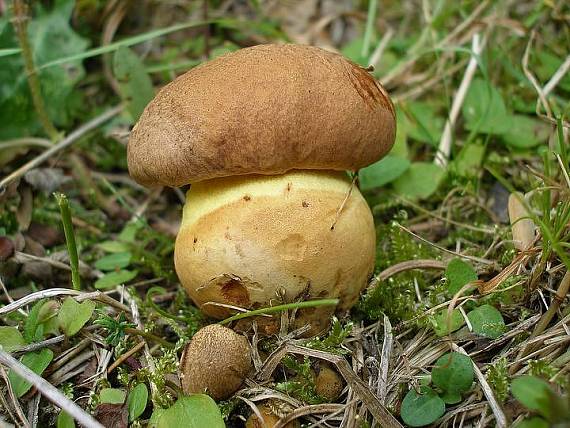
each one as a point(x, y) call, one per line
point(487, 321)
point(134, 82)
point(35, 361)
point(33, 327)
point(534, 422)
point(400, 147)
point(533, 393)
point(440, 323)
point(451, 397)
point(64, 420)
point(47, 317)
point(155, 417)
point(114, 261)
point(484, 109)
point(50, 37)
point(113, 279)
point(113, 247)
point(419, 410)
point(197, 411)
point(112, 396)
point(382, 172)
point(420, 180)
point(137, 400)
point(72, 316)
point(468, 162)
point(420, 122)
point(458, 274)
point(129, 232)
point(11, 338)
point(526, 132)
point(453, 374)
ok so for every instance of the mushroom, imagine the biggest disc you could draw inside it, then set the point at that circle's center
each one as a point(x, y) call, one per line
point(216, 362)
point(265, 136)
point(270, 419)
point(329, 384)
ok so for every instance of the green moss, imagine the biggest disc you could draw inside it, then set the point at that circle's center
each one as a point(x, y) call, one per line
point(498, 378)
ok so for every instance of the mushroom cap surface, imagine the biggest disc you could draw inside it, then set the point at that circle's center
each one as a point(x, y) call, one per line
point(216, 362)
point(265, 110)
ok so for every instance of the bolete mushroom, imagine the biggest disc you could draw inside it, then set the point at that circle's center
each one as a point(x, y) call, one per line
point(264, 136)
point(216, 361)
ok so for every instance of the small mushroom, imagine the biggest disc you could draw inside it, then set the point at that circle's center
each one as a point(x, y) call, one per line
point(329, 384)
point(216, 362)
point(270, 419)
point(264, 136)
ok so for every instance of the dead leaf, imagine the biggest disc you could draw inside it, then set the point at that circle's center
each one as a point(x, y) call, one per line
point(46, 235)
point(24, 212)
point(6, 248)
point(112, 415)
point(523, 227)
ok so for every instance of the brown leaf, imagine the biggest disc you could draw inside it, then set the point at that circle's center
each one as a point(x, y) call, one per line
point(112, 415)
point(6, 248)
point(46, 235)
point(24, 212)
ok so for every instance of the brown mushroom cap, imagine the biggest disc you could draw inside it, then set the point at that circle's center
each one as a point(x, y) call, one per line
point(216, 362)
point(329, 384)
point(262, 110)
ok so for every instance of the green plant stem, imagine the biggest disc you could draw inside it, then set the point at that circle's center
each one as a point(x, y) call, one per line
point(20, 25)
point(279, 308)
point(69, 239)
point(370, 21)
point(149, 336)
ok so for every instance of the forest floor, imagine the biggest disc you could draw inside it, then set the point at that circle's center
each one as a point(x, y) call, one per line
point(466, 321)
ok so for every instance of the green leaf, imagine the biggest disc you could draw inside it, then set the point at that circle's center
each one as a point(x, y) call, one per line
point(458, 274)
point(11, 338)
point(484, 109)
point(487, 321)
point(526, 132)
point(50, 37)
point(533, 393)
point(72, 316)
point(33, 328)
point(112, 396)
point(64, 420)
point(134, 82)
point(35, 361)
point(113, 247)
point(382, 172)
point(419, 410)
point(114, 261)
point(468, 162)
point(421, 180)
point(439, 322)
point(129, 232)
point(421, 122)
point(534, 422)
point(115, 278)
point(137, 401)
point(134, 40)
point(453, 374)
point(197, 411)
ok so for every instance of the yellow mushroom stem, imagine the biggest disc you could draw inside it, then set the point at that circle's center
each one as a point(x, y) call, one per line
point(255, 241)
